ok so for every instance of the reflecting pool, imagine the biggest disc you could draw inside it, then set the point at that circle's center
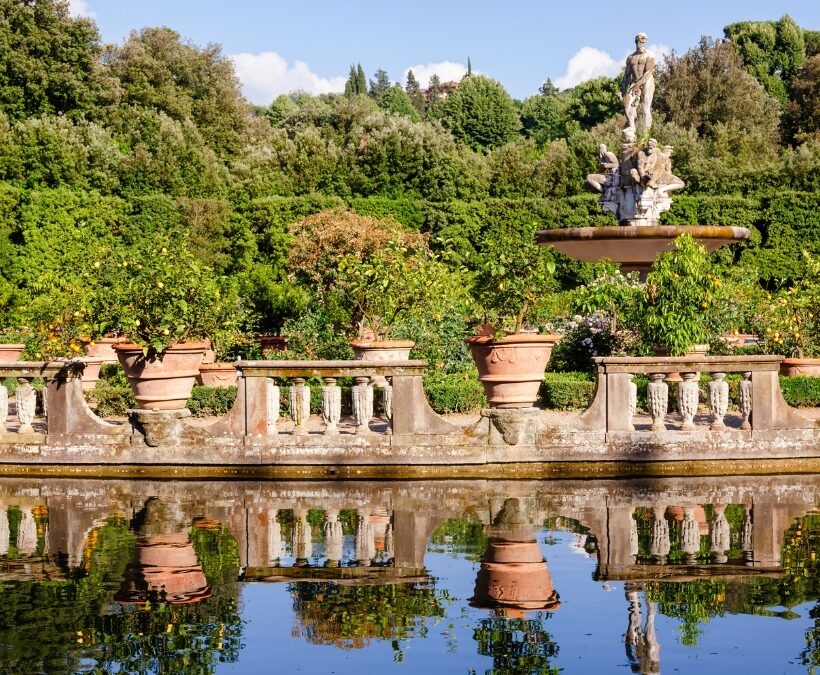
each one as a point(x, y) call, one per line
point(644, 575)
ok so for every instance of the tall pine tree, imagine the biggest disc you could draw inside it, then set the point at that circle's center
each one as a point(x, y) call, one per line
point(413, 90)
point(380, 85)
point(361, 80)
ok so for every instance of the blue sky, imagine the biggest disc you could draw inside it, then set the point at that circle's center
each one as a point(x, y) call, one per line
point(282, 45)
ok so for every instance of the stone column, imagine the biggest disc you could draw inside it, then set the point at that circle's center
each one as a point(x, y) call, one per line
point(334, 538)
point(657, 398)
point(27, 533)
point(719, 535)
point(26, 399)
point(365, 541)
point(632, 406)
point(301, 542)
point(387, 399)
point(718, 399)
point(4, 407)
point(659, 544)
point(688, 400)
point(746, 537)
point(331, 406)
point(274, 538)
point(273, 405)
point(363, 404)
point(634, 548)
point(299, 405)
point(388, 542)
point(745, 395)
point(690, 535)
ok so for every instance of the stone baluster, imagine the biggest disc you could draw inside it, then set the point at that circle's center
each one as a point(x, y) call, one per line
point(4, 529)
point(632, 404)
point(389, 544)
point(363, 404)
point(719, 535)
point(299, 405)
point(365, 541)
point(273, 405)
point(301, 542)
point(334, 538)
point(387, 399)
point(688, 393)
point(27, 533)
point(718, 399)
point(26, 399)
point(657, 398)
point(274, 537)
point(690, 535)
point(634, 548)
point(4, 407)
point(746, 536)
point(331, 406)
point(659, 544)
point(745, 390)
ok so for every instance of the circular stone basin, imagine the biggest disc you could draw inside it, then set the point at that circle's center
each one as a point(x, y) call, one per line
point(634, 247)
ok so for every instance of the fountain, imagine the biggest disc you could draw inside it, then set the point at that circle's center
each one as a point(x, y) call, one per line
point(635, 186)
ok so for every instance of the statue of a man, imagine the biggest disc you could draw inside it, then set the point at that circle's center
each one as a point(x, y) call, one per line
point(638, 86)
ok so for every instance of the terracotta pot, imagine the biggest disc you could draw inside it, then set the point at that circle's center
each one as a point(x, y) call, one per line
point(382, 350)
point(511, 368)
point(273, 343)
point(91, 373)
point(514, 575)
point(103, 349)
point(209, 357)
point(804, 367)
point(11, 351)
point(164, 381)
point(218, 374)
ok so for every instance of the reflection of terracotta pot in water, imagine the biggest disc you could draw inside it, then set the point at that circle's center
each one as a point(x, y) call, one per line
point(676, 514)
point(164, 569)
point(514, 575)
point(379, 520)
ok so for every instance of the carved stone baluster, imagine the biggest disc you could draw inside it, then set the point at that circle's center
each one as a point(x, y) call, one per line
point(657, 398)
point(299, 405)
point(273, 406)
point(365, 541)
point(688, 393)
point(719, 535)
point(331, 406)
point(659, 544)
point(387, 393)
point(27, 533)
point(718, 399)
point(362, 404)
point(690, 535)
point(334, 538)
point(301, 541)
point(632, 404)
point(745, 390)
point(389, 546)
point(746, 536)
point(4, 407)
point(26, 399)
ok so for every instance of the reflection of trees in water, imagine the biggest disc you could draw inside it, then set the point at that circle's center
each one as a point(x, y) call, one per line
point(458, 537)
point(801, 550)
point(516, 645)
point(350, 616)
point(56, 625)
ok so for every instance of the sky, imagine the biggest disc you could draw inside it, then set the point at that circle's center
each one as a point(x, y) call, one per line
point(280, 46)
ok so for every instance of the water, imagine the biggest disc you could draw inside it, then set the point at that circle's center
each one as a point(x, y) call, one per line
point(646, 575)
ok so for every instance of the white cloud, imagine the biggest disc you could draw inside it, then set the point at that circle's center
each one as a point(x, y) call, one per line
point(266, 75)
point(589, 63)
point(446, 71)
point(80, 8)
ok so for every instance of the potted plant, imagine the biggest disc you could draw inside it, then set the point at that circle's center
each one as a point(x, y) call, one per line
point(512, 281)
point(273, 302)
point(12, 343)
point(679, 300)
point(394, 282)
point(167, 305)
point(792, 323)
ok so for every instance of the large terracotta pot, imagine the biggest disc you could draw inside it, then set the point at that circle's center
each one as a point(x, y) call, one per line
point(511, 368)
point(273, 343)
point(804, 367)
point(103, 348)
point(514, 575)
point(11, 351)
point(162, 381)
point(382, 350)
point(218, 374)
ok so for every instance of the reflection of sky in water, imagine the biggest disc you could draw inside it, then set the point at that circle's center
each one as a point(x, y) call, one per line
point(588, 629)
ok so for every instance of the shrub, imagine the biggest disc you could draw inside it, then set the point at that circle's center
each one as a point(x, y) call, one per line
point(455, 392)
point(111, 400)
point(567, 391)
point(211, 401)
point(801, 392)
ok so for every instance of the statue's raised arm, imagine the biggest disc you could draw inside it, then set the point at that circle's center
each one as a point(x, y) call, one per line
point(638, 86)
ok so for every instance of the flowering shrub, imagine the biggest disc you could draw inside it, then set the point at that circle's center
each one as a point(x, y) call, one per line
point(618, 297)
point(586, 337)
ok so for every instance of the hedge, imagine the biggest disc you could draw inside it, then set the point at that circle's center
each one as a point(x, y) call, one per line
point(567, 391)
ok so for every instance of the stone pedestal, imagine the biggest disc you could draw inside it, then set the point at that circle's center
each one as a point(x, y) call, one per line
point(511, 426)
point(159, 427)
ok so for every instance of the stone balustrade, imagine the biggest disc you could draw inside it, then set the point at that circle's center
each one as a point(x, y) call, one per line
point(760, 401)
